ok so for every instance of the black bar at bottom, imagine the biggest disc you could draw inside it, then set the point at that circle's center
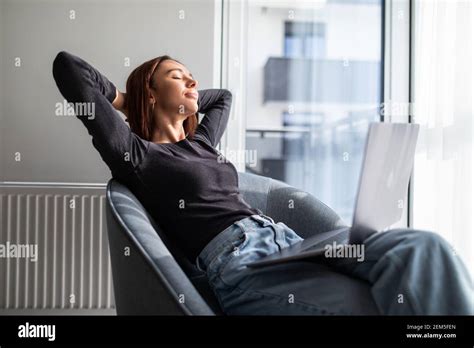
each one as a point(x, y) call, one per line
point(430, 330)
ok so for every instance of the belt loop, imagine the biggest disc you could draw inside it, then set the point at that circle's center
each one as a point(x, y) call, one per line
point(266, 217)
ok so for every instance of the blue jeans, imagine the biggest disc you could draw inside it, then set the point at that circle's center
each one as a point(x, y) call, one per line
point(406, 272)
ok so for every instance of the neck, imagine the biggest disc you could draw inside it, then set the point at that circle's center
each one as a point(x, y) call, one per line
point(168, 132)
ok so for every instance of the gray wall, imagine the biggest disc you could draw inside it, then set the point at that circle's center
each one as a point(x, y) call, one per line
point(2, 132)
point(104, 32)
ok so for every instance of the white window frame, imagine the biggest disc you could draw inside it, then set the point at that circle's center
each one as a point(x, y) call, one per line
point(397, 70)
point(234, 53)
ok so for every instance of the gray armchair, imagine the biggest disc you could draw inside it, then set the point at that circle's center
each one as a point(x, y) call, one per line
point(152, 277)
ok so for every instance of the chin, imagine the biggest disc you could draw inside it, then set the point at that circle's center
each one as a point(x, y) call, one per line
point(191, 107)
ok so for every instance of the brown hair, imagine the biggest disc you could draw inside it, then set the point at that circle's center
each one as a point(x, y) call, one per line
point(140, 116)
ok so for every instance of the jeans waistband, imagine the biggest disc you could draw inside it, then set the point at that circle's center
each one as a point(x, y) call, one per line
point(215, 246)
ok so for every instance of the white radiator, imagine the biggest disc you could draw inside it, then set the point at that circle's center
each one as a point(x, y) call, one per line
point(66, 224)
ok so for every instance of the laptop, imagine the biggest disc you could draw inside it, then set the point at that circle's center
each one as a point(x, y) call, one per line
point(383, 183)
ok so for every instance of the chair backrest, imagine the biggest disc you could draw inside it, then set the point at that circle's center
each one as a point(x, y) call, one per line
point(298, 209)
point(147, 278)
point(152, 276)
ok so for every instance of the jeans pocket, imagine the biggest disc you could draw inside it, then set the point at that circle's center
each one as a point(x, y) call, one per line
point(228, 253)
point(236, 248)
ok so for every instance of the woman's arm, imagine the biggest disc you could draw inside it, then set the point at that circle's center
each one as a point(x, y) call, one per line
point(119, 102)
point(215, 104)
point(80, 82)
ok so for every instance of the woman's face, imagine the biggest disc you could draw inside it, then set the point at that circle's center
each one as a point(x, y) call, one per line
point(175, 90)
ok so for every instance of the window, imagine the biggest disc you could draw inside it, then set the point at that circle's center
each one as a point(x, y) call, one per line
point(313, 83)
point(304, 39)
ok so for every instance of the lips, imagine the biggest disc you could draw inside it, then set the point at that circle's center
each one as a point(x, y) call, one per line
point(191, 95)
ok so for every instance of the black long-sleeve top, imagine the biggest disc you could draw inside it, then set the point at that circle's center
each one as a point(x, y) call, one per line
point(189, 192)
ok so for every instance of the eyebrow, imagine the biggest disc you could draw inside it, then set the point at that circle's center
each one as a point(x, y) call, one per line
point(179, 70)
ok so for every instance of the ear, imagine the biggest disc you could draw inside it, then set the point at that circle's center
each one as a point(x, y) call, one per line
point(151, 99)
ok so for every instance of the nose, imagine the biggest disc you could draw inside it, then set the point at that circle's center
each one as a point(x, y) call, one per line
point(192, 83)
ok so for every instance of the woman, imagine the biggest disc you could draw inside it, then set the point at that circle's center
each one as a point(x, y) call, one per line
point(170, 163)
